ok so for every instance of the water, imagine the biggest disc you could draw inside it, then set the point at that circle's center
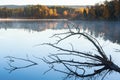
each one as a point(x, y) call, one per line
point(19, 39)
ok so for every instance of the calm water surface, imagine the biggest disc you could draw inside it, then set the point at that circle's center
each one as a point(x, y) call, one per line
point(19, 39)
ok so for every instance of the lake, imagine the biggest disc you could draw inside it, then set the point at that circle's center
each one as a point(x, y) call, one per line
point(22, 39)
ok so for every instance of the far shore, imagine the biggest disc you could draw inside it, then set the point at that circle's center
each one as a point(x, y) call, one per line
point(15, 19)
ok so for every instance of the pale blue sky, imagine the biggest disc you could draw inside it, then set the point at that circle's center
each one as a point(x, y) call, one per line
point(50, 2)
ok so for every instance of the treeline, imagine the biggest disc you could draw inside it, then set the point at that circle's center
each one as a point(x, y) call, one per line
point(36, 11)
point(106, 11)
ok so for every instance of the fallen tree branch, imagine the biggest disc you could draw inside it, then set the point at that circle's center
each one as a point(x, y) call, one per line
point(76, 68)
point(98, 62)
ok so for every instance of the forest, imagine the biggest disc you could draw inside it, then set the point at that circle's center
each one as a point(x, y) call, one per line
point(104, 11)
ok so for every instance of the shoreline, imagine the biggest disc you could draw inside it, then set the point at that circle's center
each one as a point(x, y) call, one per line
point(18, 19)
point(30, 20)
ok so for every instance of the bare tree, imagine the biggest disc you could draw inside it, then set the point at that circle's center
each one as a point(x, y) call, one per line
point(99, 62)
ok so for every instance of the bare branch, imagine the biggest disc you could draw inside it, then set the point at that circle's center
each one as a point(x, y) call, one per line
point(78, 68)
point(13, 68)
point(98, 62)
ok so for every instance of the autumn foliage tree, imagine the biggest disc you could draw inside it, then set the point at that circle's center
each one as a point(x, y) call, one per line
point(55, 12)
point(105, 11)
point(65, 13)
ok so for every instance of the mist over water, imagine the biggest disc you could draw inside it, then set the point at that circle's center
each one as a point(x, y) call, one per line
point(20, 39)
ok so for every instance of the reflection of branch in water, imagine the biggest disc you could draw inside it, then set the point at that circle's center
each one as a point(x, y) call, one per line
point(13, 67)
point(80, 63)
point(98, 62)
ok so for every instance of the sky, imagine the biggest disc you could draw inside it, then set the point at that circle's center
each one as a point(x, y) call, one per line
point(50, 2)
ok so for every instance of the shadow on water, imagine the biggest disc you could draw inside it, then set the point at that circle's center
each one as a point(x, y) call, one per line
point(107, 30)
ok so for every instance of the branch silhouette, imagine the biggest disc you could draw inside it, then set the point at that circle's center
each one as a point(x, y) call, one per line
point(99, 62)
point(12, 60)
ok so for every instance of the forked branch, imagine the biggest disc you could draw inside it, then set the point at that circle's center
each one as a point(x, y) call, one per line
point(12, 60)
point(99, 62)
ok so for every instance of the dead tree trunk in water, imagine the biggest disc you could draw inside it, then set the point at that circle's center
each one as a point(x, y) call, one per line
point(101, 63)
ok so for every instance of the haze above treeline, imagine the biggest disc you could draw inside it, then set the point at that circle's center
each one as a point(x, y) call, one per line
point(105, 11)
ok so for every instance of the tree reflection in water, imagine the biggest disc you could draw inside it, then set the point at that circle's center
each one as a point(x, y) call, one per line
point(103, 62)
point(107, 30)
